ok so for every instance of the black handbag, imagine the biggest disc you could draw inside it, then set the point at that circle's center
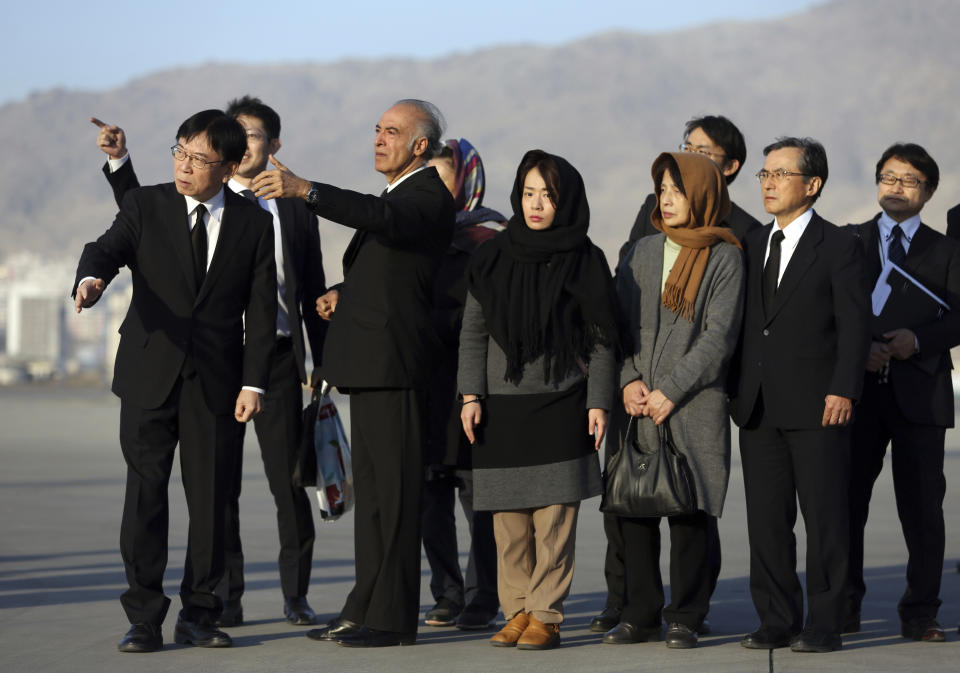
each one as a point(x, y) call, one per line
point(647, 484)
point(305, 470)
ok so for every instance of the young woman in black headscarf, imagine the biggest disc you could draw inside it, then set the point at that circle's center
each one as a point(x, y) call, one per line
point(536, 375)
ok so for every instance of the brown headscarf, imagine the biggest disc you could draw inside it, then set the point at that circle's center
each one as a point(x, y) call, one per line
point(706, 190)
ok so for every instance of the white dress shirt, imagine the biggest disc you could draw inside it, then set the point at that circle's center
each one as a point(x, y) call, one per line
point(792, 232)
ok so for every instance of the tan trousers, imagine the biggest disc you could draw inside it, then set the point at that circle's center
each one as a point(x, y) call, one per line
point(535, 559)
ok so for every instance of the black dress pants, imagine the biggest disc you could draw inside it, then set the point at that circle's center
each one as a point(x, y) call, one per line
point(387, 454)
point(278, 427)
point(148, 439)
point(781, 467)
point(689, 576)
point(917, 453)
point(479, 589)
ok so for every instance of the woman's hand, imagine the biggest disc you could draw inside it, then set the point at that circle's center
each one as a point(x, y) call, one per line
point(470, 414)
point(633, 394)
point(597, 425)
point(657, 406)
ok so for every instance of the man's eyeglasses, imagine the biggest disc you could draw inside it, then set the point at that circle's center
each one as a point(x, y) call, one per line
point(907, 180)
point(700, 149)
point(777, 175)
point(201, 164)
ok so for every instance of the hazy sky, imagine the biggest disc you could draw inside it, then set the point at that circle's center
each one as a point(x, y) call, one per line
point(95, 45)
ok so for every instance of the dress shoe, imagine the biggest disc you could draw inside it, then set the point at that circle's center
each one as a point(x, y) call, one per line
point(335, 628)
point(680, 636)
point(476, 619)
point(813, 640)
point(704, 628)
point(924, 630)
point(141, 637)
point(231, 616)
point(539, 636)
point(298, 611)
point(444, 613)
point(625, 633)
point(766, 639)
point(367, 637)
point(199, 634)
point(511, 631)
point(606, 620)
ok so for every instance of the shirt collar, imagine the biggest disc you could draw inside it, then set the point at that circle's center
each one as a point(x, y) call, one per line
point(214, 205)
point(236, 187)
point(393, 185)
point(794, 230)
point(909, 226)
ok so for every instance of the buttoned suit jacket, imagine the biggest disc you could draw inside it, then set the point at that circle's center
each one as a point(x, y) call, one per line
point(924, 394)
point(170, 319)
point(381, 334)
point(302, 267)
point(816, 338)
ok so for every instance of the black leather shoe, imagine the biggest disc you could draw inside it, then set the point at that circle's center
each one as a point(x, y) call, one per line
point(367, 637)
point(680, 637)
point(201, 635)
point(625, 633)
point(812, 640)
point(141, 637)
point(924, 630)
point(298, 611)
point(476, 619)
point(704, 628)
point(334, 629)
point(606, 620)
point(765, 639)
point(231, 616)
point(444, 613)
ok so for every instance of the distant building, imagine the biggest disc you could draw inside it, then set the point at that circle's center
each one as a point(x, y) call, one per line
point(35, 326)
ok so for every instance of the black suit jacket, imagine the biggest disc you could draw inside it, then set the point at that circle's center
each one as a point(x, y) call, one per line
point(815, 341)
point(934, 260)
point(170, 320)
point(740, 222)
point(302, 266)
point(953, 222)
point(381, 335)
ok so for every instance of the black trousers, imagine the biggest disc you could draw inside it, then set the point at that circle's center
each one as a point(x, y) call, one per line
point(278, 428)
point(689, 577)
point(919, 485)
point(479, 590)
point(781, 467)
point(148, 439)
point(387, 454)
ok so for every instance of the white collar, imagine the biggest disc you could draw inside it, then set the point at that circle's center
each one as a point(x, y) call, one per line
point(393, 185)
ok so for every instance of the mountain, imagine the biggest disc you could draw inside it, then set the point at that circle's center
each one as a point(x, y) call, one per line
point(855, 74)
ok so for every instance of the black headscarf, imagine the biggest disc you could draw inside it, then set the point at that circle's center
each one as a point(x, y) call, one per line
point(546, 292)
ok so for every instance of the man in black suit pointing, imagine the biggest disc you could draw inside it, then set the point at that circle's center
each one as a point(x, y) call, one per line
point(379, 348)
point(187, 369)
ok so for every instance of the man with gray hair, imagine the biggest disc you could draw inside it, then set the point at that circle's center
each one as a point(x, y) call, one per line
point(379, 350)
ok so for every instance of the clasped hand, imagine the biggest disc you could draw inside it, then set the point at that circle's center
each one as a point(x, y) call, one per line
point(639, 400)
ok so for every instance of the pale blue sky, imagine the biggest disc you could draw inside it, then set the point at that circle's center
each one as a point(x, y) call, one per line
point(96, 45)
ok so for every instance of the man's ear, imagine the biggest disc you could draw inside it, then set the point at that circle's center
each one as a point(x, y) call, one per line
point(275, 146)
point(814, 185)
point(231, 171)
point(420, 146)
point(730, 167)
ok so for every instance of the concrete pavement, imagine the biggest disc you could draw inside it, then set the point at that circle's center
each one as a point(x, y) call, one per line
point(61, 493)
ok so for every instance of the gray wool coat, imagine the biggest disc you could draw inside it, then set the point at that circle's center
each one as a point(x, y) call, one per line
point(687, 361)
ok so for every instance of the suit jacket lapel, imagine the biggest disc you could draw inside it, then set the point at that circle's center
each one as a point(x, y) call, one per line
point(227, 240)
point(922, 242)
point(801, 259)
point(755, 267)
point(180, 233)
point(870, 235)
point(288, 243)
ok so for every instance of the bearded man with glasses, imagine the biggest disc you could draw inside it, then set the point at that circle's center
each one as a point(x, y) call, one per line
point(802, 353)
point(907, 391)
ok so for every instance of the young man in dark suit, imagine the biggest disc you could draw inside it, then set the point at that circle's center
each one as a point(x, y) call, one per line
point(907, 391)
point(194, 359)
point(299, 282)
point(716, 137)
point(380, 348)
point(803, 349)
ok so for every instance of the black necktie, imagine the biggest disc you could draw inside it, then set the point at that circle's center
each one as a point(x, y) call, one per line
point(249, 195)
point(771, 272)
point(198, 238)
point(895, 251)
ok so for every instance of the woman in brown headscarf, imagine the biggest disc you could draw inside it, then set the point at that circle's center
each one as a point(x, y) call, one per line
point(681, 292)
